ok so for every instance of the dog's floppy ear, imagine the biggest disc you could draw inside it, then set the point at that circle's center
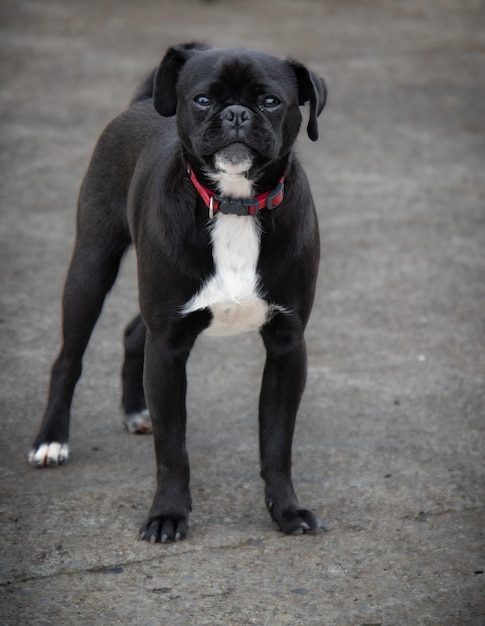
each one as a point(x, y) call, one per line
point(312, 89)
point(166, 76)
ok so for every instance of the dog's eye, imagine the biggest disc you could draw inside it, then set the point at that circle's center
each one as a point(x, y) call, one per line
point(202, 100)
point(269, 102)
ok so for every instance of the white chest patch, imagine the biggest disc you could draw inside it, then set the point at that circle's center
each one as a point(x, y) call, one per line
point(232, 293)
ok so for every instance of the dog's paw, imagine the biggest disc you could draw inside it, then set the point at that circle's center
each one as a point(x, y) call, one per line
point(293, 520)
point(164, 528)
point(49, 454)
point(138, 423)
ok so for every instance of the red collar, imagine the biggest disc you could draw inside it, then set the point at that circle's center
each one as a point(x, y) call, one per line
point(239, 206)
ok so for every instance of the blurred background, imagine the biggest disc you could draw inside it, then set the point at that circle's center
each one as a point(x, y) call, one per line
point(389, 443)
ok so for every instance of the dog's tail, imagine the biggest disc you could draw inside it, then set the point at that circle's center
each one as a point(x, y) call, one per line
point(145, 89)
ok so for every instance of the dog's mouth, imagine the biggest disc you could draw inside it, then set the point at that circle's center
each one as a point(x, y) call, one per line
point(236, 159)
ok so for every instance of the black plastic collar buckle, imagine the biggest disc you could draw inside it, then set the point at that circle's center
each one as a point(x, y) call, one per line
point(236, 206)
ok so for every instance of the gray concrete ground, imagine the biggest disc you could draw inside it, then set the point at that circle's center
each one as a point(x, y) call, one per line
point(389, 444)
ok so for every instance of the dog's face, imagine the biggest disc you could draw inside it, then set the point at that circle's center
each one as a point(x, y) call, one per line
point(237, 110)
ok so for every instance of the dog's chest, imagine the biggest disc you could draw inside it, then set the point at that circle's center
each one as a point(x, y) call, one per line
point(233, 292)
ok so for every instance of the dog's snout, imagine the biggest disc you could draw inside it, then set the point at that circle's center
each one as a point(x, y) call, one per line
point(236, 116)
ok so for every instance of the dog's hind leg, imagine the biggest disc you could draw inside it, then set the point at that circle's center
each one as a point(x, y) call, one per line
point(94, 267)
point(135, 413)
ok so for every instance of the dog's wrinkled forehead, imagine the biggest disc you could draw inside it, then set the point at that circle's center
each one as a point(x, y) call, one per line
point(234, 73)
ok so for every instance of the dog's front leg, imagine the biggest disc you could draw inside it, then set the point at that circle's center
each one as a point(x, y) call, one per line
point(165, 388)
point(166, 354)
point(283, 384)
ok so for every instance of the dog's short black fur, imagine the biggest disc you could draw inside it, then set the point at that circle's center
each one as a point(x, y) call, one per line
point(229, 117)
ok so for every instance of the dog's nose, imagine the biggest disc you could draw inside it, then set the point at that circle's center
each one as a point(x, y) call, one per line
point(236, 116)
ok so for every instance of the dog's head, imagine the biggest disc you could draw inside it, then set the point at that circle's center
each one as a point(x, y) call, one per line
point(237, 110)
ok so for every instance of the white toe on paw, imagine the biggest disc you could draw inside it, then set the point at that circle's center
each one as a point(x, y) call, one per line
point(63, 454)
point(49, 454)
point(36, 457)
point(138, 422)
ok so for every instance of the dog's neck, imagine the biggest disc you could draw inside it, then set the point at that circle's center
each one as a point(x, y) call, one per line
point(232, 185)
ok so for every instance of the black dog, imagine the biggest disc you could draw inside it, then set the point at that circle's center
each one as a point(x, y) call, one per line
point(226, 236)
